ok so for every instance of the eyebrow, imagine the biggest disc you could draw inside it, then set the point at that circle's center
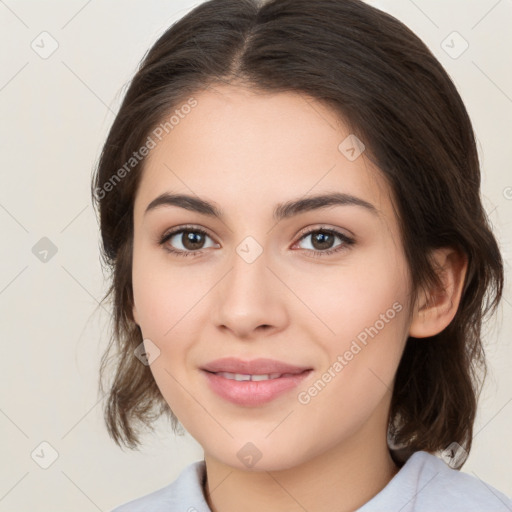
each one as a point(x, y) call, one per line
point(281, 211)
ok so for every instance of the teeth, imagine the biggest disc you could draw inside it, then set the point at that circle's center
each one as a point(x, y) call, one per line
point(243, 376)
point(266, 377)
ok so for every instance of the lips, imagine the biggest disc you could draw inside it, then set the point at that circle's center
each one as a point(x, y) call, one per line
point(252, 383)
point(255, 367)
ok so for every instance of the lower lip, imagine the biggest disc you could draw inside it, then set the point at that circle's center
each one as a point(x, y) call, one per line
point(252, 393)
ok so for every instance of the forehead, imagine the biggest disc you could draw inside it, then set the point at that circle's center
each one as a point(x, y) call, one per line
point(246, 149)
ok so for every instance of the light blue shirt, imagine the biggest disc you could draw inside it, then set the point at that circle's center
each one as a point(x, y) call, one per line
point(425, 483)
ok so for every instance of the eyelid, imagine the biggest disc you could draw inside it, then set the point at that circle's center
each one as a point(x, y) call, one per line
point(185, 227)
point(326, 227)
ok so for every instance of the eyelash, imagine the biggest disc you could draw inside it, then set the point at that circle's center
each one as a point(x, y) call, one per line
point(347, 241)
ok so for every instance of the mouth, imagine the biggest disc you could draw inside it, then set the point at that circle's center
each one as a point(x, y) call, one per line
point(252, 383)
point(261, 366)
point(240, 377)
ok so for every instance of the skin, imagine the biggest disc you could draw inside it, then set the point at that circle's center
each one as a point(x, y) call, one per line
point(247, 152)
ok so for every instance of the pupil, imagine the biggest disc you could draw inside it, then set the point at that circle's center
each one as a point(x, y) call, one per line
point(192, 239)
point(321, 237)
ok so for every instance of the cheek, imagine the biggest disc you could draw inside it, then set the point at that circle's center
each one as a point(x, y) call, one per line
point(357, 378)
point(169, 301)
point(364, 308)
point(165, 295)
point(355, 295)
point(166, 300)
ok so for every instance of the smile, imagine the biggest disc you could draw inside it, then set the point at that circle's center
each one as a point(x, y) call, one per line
point(243, 376)
point(252, 389)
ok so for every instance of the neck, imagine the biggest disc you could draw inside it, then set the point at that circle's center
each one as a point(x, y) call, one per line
point(342, 480)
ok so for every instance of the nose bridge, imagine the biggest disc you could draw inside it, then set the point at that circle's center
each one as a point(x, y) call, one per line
point(248, 275)
point(248, 296)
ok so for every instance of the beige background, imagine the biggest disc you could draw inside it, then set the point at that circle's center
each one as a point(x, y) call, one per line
point(55, 115)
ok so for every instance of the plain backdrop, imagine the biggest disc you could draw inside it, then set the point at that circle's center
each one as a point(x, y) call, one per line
point(55, 114)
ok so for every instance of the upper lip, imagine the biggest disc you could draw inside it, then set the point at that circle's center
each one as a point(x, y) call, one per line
point(255, 367)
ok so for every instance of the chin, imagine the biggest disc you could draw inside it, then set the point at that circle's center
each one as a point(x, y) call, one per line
point(256, 456)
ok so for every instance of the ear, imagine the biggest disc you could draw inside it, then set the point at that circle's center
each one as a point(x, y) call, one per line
point(436, 308)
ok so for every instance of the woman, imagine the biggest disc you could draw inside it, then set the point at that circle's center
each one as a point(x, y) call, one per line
point(289, 202)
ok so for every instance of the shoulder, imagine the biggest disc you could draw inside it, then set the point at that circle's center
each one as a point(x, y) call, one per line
point(185, 494)
point(455, 489)
point(427, 484)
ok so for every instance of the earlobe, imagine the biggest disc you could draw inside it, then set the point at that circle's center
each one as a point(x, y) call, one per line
point(134, 314)
point(436, 308)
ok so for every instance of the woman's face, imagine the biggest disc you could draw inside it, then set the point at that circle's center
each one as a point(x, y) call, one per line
point(323, 287)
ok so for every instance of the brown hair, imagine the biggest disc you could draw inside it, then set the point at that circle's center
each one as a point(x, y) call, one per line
point(383, 81)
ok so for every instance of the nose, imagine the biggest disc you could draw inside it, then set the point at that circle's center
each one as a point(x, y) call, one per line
point(251, 298)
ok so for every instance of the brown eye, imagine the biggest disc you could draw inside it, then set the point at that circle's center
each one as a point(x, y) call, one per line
point(185, 241)
point(323, 240)
point(192, 240)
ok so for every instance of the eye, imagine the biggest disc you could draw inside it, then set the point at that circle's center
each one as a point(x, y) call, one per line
point(322, 240)
point(190, 238)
